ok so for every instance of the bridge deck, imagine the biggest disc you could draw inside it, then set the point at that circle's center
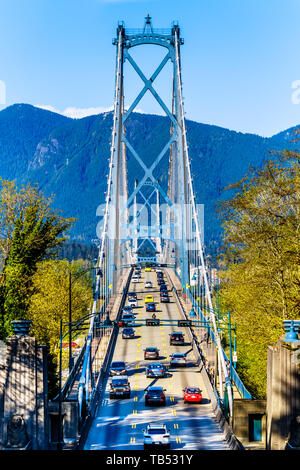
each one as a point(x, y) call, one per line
point(118, 423)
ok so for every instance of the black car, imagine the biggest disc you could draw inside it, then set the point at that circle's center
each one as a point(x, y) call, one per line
point(163, 287)
point(165, 298)
point(133, 294)
point(155, 396)
point(128, 333)
point(150, 307)
point(119, 387)
point(160, 282)
point(118, 368)
point(176, 339)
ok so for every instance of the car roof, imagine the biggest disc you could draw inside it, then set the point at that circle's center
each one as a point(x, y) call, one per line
point(118, 362)
point(120, 377)
point(154, 388)
point(156, 364)
point(177, 333)
point(151, 347)
point(178, 354)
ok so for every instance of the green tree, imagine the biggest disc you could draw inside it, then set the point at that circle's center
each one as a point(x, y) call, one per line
point(260, 263)
point(49, 303)
point(30, 232)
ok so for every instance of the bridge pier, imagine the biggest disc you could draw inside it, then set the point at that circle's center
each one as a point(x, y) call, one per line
point(23, 394)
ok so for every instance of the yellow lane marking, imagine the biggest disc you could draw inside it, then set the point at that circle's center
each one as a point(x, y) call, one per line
point(174, 412)
point(178, 440)
point(133, 425)
point(134, 412)
point(175, 426)
point(132, 440)
point(137, 366)
point(135, 399)
point(171, 398)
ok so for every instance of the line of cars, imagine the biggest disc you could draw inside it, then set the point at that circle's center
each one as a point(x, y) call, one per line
point(157, 434)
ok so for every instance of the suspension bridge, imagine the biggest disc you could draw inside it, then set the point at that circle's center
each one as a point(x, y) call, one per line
point(152, 224)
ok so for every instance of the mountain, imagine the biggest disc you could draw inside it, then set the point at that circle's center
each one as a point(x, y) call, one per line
point(69, 159)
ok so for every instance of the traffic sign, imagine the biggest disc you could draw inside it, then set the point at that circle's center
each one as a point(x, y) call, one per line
point(184, 323)
point(152, 321)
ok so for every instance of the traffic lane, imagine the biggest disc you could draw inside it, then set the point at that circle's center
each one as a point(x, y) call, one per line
point(186, 421)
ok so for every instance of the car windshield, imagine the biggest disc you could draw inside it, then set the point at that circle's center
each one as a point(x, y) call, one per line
point(178, 355)
point(118, 364)
point(155, 366)
point(192, 390)
point(157, 431)
point(155, 390)
point(119, 382)
point(127, 330)
point(128, 316)
point(151, 349)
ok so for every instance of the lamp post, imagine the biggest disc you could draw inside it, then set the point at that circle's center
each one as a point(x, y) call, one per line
point(70, 307)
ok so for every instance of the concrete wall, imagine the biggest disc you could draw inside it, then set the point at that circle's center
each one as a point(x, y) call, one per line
point(283, 397)
point(242, 411)
point(23, 393)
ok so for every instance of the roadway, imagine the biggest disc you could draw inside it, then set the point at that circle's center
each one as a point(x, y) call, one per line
point(118, 423)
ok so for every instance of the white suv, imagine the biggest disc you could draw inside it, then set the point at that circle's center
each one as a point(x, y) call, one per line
point(156, 435)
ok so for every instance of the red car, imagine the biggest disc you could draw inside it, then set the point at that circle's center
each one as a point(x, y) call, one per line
point(192, 394)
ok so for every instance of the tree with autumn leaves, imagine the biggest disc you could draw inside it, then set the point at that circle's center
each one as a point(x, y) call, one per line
point(259, 266)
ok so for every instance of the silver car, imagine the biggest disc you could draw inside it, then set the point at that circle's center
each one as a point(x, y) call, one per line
point(178, 359)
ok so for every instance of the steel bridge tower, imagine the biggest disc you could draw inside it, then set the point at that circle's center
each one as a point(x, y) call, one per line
point(170, 228)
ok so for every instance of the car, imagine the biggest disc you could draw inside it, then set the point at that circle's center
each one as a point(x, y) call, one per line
point(151, 353)
point(149, 298)
point(192, 394)
point(127, 309)
point(127, 319)
point(155, 369)
point(128, 333)
point(150, 307)
point(178, 359)
point(158, 271)
point(132, 302)
point(156, 435)
point(132, 295)
point(176, 338)
point(138, 274)
point(164, 298)
point(135, 279)
point(147, 269)
point(117, 368)
point(159, 274)
point(160, 282)
point(163, 287)
point(155, 395)
point(148, 284)
point(119, 387)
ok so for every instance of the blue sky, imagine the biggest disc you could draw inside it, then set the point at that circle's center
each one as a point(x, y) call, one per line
point(240, 60)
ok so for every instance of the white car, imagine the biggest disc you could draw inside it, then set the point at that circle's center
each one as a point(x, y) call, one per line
point(178, 359)
point(133, 303)
point(148, 284)
point(135, 279)
point(156, 435)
